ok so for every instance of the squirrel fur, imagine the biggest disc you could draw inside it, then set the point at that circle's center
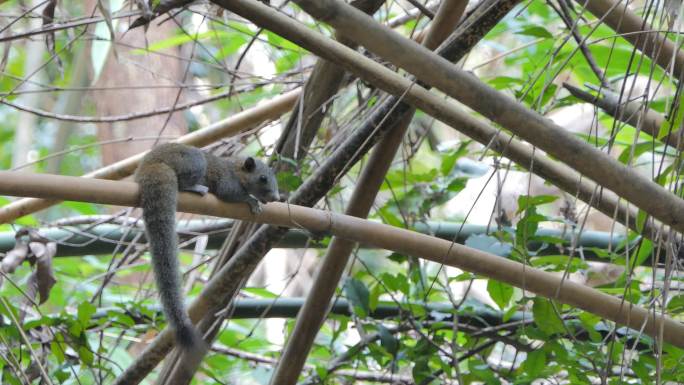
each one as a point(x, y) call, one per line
point(162, 173)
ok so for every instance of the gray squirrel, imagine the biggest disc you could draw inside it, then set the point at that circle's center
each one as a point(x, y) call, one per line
point(174, 167)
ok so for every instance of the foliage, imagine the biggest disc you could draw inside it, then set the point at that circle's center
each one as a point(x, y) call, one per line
point(102, 310)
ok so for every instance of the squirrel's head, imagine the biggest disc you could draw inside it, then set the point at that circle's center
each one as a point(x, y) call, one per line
point(260, 181)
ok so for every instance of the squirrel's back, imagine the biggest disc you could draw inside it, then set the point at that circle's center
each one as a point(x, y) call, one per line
point(164, 171)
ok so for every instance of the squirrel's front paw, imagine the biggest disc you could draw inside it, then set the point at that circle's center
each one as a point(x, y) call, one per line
point(255, 206)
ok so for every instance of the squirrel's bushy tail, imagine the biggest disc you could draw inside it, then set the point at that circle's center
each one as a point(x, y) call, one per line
point(158, 197)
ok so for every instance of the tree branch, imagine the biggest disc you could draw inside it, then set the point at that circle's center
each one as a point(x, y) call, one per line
point(632, 112)
point(359, 230)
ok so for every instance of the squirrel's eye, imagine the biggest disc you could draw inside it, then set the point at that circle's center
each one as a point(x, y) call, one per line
point(263, 179)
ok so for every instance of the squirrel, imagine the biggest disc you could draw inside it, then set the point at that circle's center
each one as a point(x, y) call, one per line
point(162, 173)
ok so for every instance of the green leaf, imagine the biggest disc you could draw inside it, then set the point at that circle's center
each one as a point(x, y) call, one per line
point(13, 312)
point(357, 294)
point(641, 220)
point(389, 217)
point(589, 321)
point(261, 292)
point(466, 276)
point(388, 341)
point(86, 355)
point(322, 372)
point(559, 262)
point(504, 82)
point(398, 258)
point(395, 282)
point(230, 42)
point(500, 292)
point(672, 125)
point(121, 318)
point(664, 177)
point(421, 370)
point(57, 351)
point(282, 43)
point(527, 226)
point(545, 317)
point(85, 311)
point(62, 375)
point(449, 159)
point(642, 370)
point(457, 185)
point(535, 31)
point(399, 177)
point(288, 54)
point(12, 380)
point(639, 149)
point(82, 208)
point(75, 329)
point(418, 310)
point(488, 244)
point(448, 162)
point(534, 363)
point(526, 201)
point(288, 180)
point(482, 371)
point(676, 304)
point(641, 253)
point(548, 239)
point(509, 313)
point(374, 297)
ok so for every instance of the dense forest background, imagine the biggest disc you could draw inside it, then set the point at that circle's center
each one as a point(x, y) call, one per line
point(518, 164)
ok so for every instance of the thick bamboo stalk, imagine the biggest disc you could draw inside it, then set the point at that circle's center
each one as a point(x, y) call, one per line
point(546, 284)
point(315, 309)
point(645, 38)
point(633, 112)
point(528, 124)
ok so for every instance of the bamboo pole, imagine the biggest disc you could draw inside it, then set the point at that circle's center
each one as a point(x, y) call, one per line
point(645, 38)
point(650, 322)
point(528, 124)
point(315, 309)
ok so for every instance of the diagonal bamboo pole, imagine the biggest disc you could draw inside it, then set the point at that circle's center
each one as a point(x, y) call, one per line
point(645, 38)
point(316, 306)
point(528, 124)
point(634, 113)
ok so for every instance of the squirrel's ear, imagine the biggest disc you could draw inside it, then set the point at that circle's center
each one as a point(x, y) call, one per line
point(249, 164)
